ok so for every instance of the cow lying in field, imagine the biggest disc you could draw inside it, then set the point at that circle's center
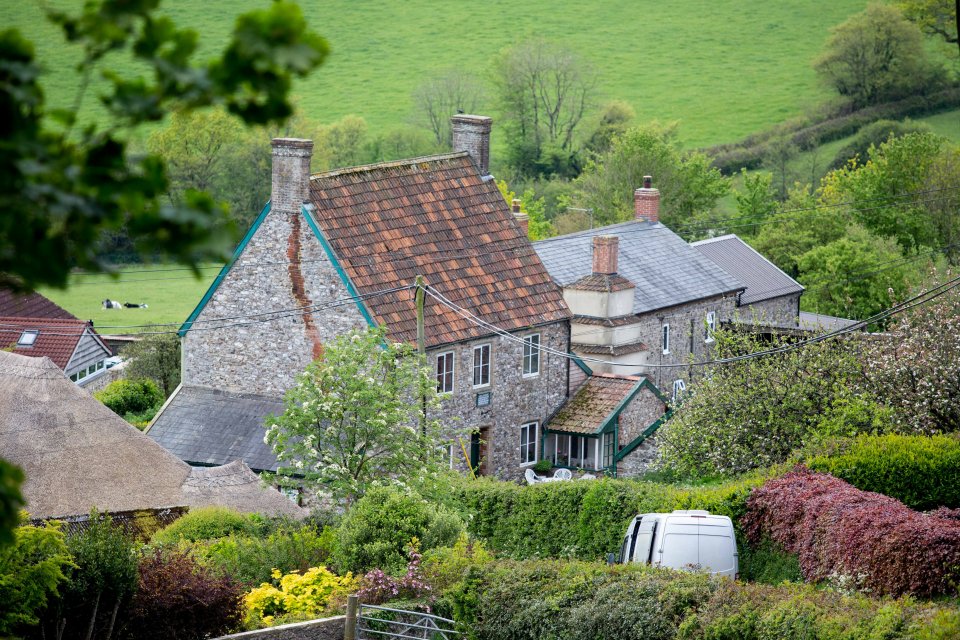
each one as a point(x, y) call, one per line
point(113, 304)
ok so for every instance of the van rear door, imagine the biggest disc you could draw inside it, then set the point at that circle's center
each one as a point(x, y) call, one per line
point(644, 535)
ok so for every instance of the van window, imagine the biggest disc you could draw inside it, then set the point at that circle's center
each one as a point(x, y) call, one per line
point(646, 531)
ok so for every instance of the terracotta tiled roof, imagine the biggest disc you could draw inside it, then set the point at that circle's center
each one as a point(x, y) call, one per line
point(435, 217)
point(602, 282)
point(57, 338)
point(599, 396)
point(30, 305)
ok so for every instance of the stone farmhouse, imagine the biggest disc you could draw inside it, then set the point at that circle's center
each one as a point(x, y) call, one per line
point(338, 251)
point(643, 300)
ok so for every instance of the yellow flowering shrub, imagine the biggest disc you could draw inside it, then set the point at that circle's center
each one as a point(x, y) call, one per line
point(313, 594)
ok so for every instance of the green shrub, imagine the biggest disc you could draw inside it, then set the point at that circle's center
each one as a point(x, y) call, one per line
point(577, 600)
point(130, 396)
point(445, 566)
point(873, 135)
point(207, 523)
point(583, 519)
point(251, 560)
point(767, 563)
point(376, 531)
point(923, 472)
point(32, 568)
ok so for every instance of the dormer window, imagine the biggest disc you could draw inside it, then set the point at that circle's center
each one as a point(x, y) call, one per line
point(27, 338)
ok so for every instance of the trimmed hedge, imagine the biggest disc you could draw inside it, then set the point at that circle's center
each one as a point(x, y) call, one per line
point(130, 396)
point(923, 472)
point(842, 533)
point(825, 127)
point(577, 600)
point(582, 519)
point(208, 523)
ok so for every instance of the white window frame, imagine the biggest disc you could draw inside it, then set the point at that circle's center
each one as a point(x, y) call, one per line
point(679, 386)
point(478, 368)
point(451, 372)
point(665, 338)
point(528, 443)
point(531, 355)
point(711, 324)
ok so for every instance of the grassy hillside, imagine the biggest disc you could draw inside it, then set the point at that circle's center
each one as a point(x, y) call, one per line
point(170, 292)
point(724, 68)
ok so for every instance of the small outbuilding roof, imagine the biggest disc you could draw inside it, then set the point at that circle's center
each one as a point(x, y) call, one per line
point(31, 305)
point(77, 454)
point(820, 322)
point(598, 400)
point(664, 268)
point(205, 426)
point(763, 279)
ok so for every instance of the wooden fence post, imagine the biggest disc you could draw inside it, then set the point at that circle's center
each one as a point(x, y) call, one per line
point(350, 624)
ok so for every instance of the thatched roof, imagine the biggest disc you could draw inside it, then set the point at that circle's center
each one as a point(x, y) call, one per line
point(77, 454)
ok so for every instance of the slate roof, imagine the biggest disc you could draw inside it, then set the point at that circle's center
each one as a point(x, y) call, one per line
point(594, 402)
point(666, 270)
point(31, 305)
point(205, 426)
point(439, 218)
point(820, 322)
point(57, 339)
point(763, 279)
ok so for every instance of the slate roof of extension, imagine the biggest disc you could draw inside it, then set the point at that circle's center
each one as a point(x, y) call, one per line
point(439, 218)
point(31, 305)
point(56, 338)
point(764, 280)
point(666, 270)
point(594, 402)
point(212, 427)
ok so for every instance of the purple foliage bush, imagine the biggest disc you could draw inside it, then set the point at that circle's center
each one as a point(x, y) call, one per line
point(378, 587)
point(838, 530)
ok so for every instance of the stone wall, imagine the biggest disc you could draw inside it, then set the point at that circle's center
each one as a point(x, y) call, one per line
point(782, 311)
point(645, 409)
point(687, 336)
point(640, 459)
point(515, 399)
point(282, 271)
point(324, 629)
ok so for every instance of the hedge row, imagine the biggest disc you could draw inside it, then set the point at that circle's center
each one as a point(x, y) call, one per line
point(923, 472)
point(843, 533)
point(582, 519)
point(807, 133)
point(575, 600)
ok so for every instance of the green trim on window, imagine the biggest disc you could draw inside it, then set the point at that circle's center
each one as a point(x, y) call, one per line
point(188, 324)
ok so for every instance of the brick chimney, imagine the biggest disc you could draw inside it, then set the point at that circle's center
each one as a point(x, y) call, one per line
point(472, 134)
point(646, 202)
point(291, 174)
point(605, 250)
point(523, 220)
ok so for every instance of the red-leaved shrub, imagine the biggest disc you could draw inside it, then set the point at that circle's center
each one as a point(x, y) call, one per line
point(837, 529)
point(177, 598)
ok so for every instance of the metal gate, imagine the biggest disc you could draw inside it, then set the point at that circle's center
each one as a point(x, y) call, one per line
point(370, 622)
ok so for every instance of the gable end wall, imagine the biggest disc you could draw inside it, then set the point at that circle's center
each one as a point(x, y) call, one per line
point(282, 269)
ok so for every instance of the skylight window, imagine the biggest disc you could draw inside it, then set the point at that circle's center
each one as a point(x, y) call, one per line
point(27, 338)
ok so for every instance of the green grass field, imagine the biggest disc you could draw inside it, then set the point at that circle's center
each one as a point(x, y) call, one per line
point(723, 68)
point(170, 292)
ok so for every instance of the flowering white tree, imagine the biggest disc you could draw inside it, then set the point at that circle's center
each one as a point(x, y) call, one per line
point(356, 416)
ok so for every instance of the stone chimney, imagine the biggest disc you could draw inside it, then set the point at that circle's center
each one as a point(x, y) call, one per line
point(646, 202)
point(472, 134)
point(605, 250)
point(523, 220)
point(291, 174)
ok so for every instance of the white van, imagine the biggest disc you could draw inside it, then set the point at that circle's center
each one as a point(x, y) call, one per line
point(693, 540)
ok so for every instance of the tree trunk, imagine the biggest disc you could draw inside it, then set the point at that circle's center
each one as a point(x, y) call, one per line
point(113, 618)
point(93, 617)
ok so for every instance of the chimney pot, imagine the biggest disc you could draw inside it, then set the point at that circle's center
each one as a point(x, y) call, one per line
point(605, 251)
point(291, 174)
point(472, 134)
point(646, 202)
point(515, 205)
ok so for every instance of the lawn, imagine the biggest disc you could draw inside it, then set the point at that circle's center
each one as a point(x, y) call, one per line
point(723, 68)
point(170, 292)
